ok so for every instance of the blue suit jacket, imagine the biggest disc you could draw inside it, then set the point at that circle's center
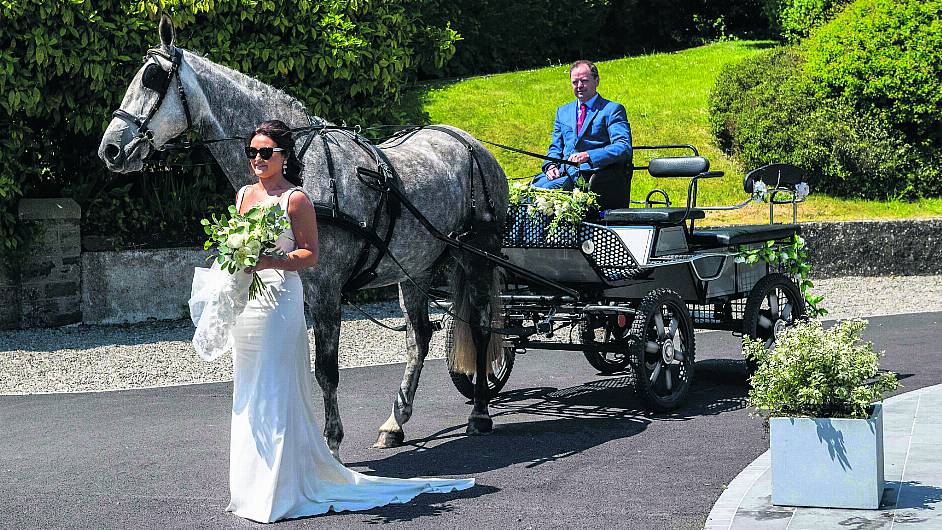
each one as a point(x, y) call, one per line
point(605, 136)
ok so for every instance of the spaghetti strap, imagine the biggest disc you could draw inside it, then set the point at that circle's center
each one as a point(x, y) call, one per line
point(287, 197)
point(239, 197)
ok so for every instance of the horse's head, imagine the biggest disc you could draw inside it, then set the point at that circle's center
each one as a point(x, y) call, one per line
point(154, 109)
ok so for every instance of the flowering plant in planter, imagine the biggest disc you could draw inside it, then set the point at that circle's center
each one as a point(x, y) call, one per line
point(817, 372)
point(817, 388)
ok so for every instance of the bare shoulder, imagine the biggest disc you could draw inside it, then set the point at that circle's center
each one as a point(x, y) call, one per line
point(299, 202)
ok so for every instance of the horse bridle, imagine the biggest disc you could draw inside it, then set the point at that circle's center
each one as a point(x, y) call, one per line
point(157, 79)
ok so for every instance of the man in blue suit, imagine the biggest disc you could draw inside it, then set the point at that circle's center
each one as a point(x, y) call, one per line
point(594, 133)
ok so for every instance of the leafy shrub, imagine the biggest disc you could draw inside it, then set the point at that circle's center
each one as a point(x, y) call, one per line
point(739, 88)
point(65, 64)
point(498, 36)
point(881, 57)
point(817, 372)
point(764, 110)
point(794, 19)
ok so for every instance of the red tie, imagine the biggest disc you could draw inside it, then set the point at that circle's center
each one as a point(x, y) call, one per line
point(582, 109)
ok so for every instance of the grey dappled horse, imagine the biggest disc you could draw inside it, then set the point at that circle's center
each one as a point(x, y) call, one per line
point(434, 174)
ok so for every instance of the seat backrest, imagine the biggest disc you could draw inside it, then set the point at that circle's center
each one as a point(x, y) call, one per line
point(775, 176)
point(678, 166)
point(612, 184)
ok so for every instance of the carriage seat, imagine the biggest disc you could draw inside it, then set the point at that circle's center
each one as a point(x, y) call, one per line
point(741, 235)
point(650, 216)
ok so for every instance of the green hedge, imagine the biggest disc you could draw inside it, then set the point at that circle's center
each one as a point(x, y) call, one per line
point(65, 64)
point(497, 35)
point(793, 20)
point(882, 57)
point(867, 131)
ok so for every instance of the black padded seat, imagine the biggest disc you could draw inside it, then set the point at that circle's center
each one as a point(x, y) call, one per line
point(741, 235)
point(650, 216)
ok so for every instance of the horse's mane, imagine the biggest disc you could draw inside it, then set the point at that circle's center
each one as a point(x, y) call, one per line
point(246, 81)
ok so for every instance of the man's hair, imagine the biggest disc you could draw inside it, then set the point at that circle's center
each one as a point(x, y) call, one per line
point(592, 68)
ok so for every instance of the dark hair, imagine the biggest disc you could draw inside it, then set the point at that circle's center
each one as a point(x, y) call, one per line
point(280, 133)
point(594, 69)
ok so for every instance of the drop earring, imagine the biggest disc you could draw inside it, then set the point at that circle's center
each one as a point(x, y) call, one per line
point(284, 168)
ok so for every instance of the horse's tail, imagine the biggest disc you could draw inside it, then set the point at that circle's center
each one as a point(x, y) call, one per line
point(463, 355)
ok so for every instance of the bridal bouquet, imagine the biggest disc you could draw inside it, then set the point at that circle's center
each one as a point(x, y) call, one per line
point(244, 238)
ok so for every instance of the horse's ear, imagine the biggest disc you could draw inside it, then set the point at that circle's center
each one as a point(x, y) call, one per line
point(166, 31)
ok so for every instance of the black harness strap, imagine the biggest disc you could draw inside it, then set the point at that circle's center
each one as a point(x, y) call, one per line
point(332, 214)
point(384, 179)
point(310, 137)
point(328, 215)
point(474, 162)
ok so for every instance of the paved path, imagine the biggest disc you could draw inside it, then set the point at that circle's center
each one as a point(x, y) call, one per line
point(571, 450)
point(912, 496)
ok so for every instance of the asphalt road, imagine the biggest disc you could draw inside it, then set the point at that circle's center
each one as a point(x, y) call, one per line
point(571, 448)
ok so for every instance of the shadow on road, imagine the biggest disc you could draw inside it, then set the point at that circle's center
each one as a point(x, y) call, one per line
point(545, 424)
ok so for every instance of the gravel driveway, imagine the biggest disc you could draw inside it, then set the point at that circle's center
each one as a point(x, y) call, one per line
point(94, 358)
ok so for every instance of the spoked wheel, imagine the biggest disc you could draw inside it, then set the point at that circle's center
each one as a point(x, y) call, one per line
point(664, 351)
point(610, 331)
point(774, 303)
point(465, 383)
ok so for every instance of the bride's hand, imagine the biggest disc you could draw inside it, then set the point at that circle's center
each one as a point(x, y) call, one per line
point(264, 262)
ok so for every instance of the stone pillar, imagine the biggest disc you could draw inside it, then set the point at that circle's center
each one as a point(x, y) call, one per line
point(9, 299)
point(51, 273)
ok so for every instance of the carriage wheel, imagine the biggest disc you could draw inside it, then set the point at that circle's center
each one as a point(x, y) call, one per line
point(465, 383)
point(663, 349)
point(773, 304)
point(603, 330)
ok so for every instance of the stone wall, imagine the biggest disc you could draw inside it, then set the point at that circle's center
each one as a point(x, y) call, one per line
point(60, 286)
point(875, 248)
point(50, 275)
point(136, 285)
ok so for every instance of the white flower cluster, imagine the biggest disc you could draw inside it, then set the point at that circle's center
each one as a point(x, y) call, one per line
point(759, 191)
point(242, 239)
point(802, 190)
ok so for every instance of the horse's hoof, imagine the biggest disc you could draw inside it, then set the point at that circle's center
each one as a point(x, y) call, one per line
point(388, 440)
point(480, 424)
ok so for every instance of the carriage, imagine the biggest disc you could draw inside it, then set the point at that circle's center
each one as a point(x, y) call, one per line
point(629, 286)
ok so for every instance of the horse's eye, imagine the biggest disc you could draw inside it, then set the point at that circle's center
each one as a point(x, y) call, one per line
point(155, 78)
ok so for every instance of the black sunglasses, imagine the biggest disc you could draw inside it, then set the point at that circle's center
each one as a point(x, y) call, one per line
point(266, 152)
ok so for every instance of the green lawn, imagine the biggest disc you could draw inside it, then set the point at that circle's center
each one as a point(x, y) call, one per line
point(666, 97)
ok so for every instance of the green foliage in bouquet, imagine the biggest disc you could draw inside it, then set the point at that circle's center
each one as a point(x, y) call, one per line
point(243, 238)
point(817, 372)
point(559, 206)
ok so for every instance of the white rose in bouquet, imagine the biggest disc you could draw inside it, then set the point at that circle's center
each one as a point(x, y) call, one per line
point(245, 238)
point(235, 241)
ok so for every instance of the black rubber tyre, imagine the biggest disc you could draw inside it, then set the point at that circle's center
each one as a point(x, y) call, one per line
point(605, 330)
point(663, 350)
point(465, 383)
point(764, 313)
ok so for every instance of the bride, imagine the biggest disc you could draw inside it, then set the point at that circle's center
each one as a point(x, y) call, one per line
point(279, 464)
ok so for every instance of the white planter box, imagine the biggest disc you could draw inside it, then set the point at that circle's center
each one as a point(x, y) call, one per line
point(828, 463)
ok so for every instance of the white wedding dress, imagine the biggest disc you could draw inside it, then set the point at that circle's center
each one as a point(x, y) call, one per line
point(279, 464)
